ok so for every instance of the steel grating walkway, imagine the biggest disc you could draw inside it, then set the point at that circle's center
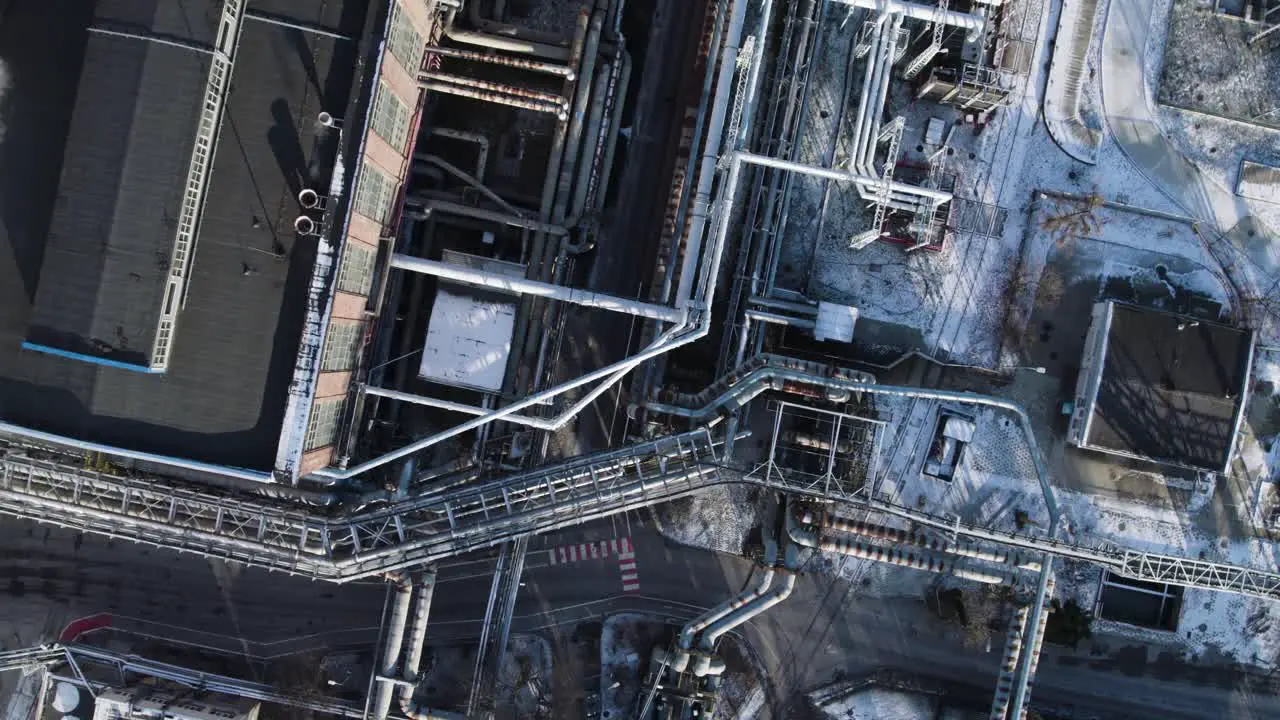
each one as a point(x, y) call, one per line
point(432, 527)
point(409, 532)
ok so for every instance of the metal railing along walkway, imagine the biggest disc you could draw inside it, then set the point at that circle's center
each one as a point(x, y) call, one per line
point(429, 528)
point(404, 533)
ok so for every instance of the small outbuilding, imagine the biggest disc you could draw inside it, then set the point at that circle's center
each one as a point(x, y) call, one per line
point(1161, 387)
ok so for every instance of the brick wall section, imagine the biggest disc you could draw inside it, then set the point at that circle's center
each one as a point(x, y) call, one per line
point(396, 164)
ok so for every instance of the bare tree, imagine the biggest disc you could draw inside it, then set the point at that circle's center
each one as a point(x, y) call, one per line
point(1074, 216)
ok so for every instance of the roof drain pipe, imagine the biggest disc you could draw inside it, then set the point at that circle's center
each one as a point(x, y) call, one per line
point(680, 659)
point(705, 664)
point(391, 651)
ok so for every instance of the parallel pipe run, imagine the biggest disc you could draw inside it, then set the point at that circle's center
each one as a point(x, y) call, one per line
point(700, 623)
point(917, 560)
point(927, 13)
point(494, 97)
point(1009, 662)
point(700, 212)
point(515, 90)
point(391, 651)
point(432, 205)
point(540, 423)
point(741, 615)
point(518, 63)
point(777, 319)
point(903, 537)
point(524, 286)
point(1032, 659)
point(515, 45)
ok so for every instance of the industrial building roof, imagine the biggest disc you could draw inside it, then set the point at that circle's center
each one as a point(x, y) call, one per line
point(222, 398)
point(1172, 388)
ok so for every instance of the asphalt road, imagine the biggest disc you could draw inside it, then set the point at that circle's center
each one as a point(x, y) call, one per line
point(824, 630)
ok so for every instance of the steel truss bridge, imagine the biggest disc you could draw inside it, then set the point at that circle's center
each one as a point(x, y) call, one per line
point(433, 526)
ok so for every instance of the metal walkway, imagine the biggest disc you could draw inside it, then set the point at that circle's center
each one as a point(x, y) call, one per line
point(429, 528)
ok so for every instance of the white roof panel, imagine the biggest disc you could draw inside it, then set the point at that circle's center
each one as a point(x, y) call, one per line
point(468, 338)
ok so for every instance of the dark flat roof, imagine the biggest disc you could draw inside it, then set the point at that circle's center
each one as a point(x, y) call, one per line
point(127, 152)
point(222, 399)
point(1167, 393)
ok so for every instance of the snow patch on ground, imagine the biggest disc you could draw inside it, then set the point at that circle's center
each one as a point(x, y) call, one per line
point(876, 703)
point(626, 641)
point(717, 518)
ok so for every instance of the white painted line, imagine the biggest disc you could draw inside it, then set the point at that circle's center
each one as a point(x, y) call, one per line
point(573, 553)
point(631, 565)
point(626, 545)
point(630, 588)
point(626, 556)
point(595, 551)
point(604, 548)
point(630, 576)
point(614, 544)
point(564, 557)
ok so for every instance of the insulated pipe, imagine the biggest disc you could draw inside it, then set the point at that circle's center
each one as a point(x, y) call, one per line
point(701, 622)
point(738, 617)
point(493, 97)
point(391, 651)
point(524, 286)
point(540, 423)
point(497, 27)
point(876, 112)
point(166, 460)
point(868, 78)
point(615, 122)
point(432, 205)
point(515, 45)
point(898, 536)
point(711, 154)
point(516, 90)
point(594, 132)
point(468, 179)
point(927, 13)
point(842, 176)
point(776, 319)
point(787, 305)
point(1032, 658)
point(518, 63)
point(413, 655)
point(908, 559)
point(680, 658)
point(578, 118)
point(1009, 663)
point(482, 142)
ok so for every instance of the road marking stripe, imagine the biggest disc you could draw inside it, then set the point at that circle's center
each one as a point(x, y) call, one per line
point(573, 553)
point(626, 556)
point(614, 544)
point(630, 588)
point(626, 545)
point(630, 576)
point(595, 551)
point(627, 565)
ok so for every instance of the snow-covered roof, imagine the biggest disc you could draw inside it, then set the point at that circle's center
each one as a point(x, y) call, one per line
point(470, 330)
point(1259, 182)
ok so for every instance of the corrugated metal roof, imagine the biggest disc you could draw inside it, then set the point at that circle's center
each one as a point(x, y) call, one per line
point(222, 398)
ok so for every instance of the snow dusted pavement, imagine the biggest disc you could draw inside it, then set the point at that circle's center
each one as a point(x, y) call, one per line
point(1129, 108)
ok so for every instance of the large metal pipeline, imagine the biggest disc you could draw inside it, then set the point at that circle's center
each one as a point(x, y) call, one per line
point(1032, 661)
point(482, 145)
point(903, 537)
point(595, 127)
point(514, 90)
point(611, 144)
point(518, 63)
point(400, 602)
point(523, 286)
point(432, 205)
point(871, 129)
point(927, 13)
point(916, 560)
point(498, 98)
point(679, 659)
point(705, 663)
point(1013, 644)
point(701, 210)
point(469, 179)
point(578, 117)
point(870, 80)
point(515, 45)
point(413, 656)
